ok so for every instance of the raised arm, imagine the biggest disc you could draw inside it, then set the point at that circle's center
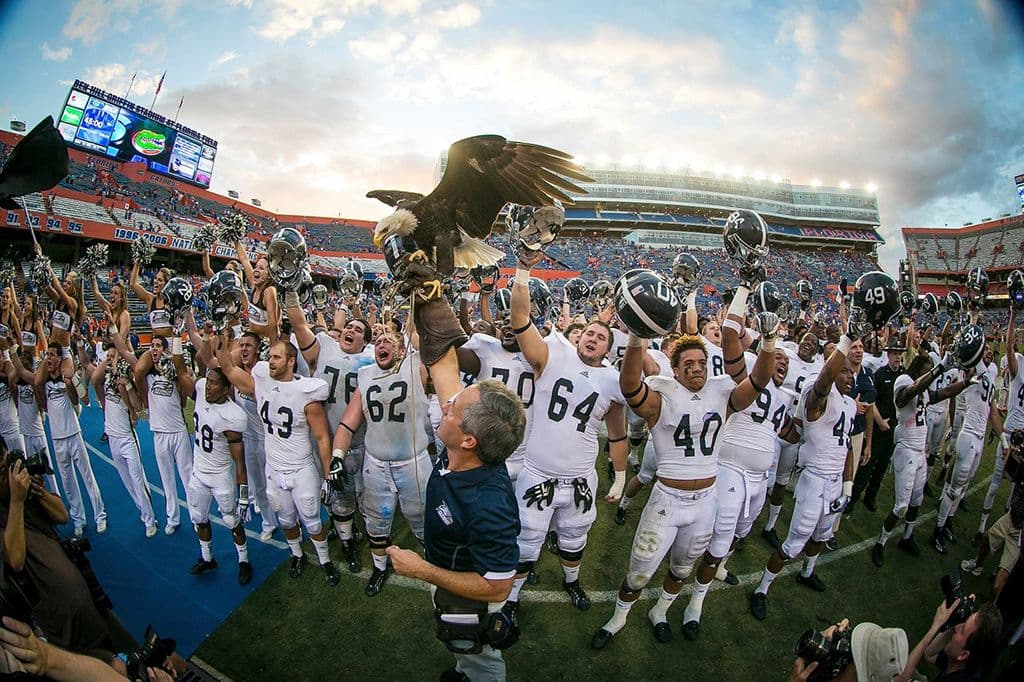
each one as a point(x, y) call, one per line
point(238, 377)
point(186, 380)
point(140, 291)
point(207, 268)
point(309, 346)
point(103, 302)
point(641, 399)
point(532, 344)
point(199, 342)
point(822, 386)
point(1011, 346)
point(243, 259)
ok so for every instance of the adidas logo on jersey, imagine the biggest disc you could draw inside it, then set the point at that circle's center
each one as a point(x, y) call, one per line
point(695, 397)
point(585, 373)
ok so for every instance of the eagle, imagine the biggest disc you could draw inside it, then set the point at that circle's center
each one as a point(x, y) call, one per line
point(483, 174)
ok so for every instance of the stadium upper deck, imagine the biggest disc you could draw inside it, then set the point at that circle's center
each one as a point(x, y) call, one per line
point(942, 251)
point(689, 207)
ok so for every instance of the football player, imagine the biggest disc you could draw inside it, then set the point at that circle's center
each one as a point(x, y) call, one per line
point(575, 390)
point(337, 363)
point(804, 366)
point(391, 402)
point(973, 354)
point(685, 414)
point(291, 407)
point(912, 395)
point(218, 465)
point(1014, 419)
point(823, 491)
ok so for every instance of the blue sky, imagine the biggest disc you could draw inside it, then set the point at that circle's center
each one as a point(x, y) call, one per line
point(316, 101)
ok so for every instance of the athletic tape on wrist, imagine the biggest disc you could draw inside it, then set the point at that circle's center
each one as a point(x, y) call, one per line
point(733, 325)
point(522, 275)
point(738, 306)
point(844, 344)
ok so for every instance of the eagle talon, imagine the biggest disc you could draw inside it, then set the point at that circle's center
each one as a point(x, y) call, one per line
point(431, 289)
point(418, 256)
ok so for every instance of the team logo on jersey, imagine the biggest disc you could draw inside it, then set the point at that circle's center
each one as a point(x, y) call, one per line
point(162, 388)
point(444, 514)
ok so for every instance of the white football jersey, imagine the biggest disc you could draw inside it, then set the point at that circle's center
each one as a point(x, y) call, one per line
point(873, 362)
point(944, 380)
point(395, 410)
point(255, 426)
point(282, 408)
point(511, 369)
point(29, 417)
point(801, 372)
point(8, 409)
point(911, 424)
point(165, 415)
point(664, 363)
point(716, 362)
point(618, 348)
point(1015, 397)
point(211, 453)
point(688, 427)
point(827, 440)
point(570, 402)
point(117, 419)
point(977, 401)
point(59, 410)
point(753, 431)
point(340, 371)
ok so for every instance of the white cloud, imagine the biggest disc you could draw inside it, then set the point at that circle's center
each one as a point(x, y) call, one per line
point(226, 57)
point(91, 20)
point(115, 78)
point(56, 55)
point(462, 15)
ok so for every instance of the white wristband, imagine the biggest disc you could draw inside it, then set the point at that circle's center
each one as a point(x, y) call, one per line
point(176, 346)
point(112, 328)
point(634, 341)
point(523, 276)
point(767, 345)
point(738, 307)
point(337, 453)
point(733, 325)
point(848, 488)
point(691, 298)
point(844, 344)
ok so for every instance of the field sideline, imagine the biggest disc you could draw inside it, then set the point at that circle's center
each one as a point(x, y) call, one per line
point(302, 629)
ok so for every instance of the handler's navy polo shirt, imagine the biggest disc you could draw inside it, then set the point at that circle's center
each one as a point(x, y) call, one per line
point(863, 389)
point(472, 520)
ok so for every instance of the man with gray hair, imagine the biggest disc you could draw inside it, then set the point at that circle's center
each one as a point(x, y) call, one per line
point(471, 520)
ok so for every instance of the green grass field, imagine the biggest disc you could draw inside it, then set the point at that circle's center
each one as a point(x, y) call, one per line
point(304, 630)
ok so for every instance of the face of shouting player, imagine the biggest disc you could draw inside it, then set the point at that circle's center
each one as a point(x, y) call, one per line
point(387, 351)
point(594, 344)
point(781, 367)
point(217, 388)
point(247, 348)
point(352, 339)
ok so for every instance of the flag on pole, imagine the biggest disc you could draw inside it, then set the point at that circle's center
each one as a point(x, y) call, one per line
point(179, 109)
point(158, 86)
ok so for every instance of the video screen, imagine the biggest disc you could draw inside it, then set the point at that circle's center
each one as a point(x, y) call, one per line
point(105, 124)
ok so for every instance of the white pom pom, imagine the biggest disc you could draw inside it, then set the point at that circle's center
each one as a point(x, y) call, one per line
point(142, 251)
point(204, 239)
point(232, 228)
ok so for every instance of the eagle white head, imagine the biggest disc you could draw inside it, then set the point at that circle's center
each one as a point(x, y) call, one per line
point(402, 222)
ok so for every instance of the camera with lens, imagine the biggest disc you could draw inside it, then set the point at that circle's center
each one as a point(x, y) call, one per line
point(75, 549)
point(35, 464)
point(152, 654)
point(953, 589)
point(831, 654)
point(1014, 463)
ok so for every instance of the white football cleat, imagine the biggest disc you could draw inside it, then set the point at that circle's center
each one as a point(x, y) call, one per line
point(101, 526)
point(151, 530)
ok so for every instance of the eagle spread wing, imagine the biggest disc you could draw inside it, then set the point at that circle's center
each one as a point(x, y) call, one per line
point(483, 174)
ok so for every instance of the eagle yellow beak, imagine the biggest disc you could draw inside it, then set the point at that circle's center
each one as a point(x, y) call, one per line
point(378, 237)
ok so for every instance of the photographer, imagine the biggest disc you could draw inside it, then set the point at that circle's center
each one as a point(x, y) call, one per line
point(472, 520)
point(1005, 533)
point(34, 557)
point(868, 652)
point(960, 648)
